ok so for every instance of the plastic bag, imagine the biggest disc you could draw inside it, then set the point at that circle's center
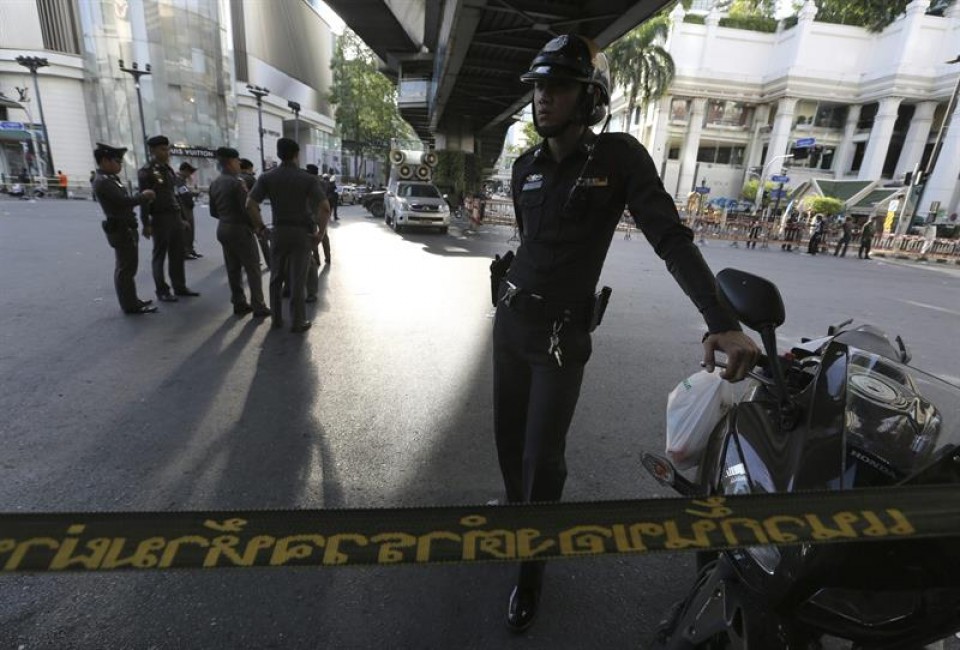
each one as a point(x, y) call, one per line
point(694, 408)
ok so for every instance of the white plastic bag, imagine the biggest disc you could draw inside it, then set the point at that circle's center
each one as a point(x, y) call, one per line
point(694, 408)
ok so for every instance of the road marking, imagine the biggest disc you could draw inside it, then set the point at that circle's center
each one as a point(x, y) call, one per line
point(933, 307)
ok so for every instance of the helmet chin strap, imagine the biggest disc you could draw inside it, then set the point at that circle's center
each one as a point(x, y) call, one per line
point(550, 131)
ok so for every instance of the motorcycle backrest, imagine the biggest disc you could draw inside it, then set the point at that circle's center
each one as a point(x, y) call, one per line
point(755, 300)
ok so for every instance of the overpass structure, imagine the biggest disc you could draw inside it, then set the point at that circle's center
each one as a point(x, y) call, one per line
point(457, 63)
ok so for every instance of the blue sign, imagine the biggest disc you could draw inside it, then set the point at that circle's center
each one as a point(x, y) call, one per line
point(780, 179)
point(12, 126)
point(778, 194)
point(806, 142)
point(702, 190)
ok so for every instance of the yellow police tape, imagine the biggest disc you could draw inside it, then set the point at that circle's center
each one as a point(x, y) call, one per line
point(165, 540)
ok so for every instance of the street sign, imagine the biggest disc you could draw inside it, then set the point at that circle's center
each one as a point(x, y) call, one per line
point(12, 126)
point(778, 194)
point(780, 179)
point(806, 142)
point(702, 190)
point(893, 206)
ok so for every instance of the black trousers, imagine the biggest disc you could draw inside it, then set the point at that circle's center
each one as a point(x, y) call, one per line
point(124, 244)
point(865, 244)
point(289, 256)
point(168, 242)
point(841, 248)
point(534, 400)
point(240, 256)
point(814, 246)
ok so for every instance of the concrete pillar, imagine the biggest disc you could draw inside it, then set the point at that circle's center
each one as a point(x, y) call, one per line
point(760, 118)
point(917, 137)
point(658, 148)
point(879, 141)
point(691, 143)
point(944, 183)
point(782, 126)
point(844, 156)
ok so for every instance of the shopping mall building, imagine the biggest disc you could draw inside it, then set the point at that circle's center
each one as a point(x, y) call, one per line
point(202, 54)
point(871, 105)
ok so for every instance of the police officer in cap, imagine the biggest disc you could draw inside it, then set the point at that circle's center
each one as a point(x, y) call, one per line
point(120, 225)
point(228, 196)
point(163, 220)
point(569, 193)
point(185, 196)
point(300, 215)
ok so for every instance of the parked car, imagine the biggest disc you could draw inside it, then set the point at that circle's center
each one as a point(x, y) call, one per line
point(373, 202)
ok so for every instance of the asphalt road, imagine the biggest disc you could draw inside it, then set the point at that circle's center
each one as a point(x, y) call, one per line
point(385, 402)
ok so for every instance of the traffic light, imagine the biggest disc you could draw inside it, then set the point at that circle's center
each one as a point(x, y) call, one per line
point(800, 153)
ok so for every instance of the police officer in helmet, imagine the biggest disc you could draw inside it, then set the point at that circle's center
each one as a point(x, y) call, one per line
point(569, 193)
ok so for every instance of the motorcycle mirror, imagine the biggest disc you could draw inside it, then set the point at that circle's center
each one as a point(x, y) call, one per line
point(905, 355)
point(755, 300)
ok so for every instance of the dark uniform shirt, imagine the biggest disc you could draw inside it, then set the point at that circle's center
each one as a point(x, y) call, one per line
point(116, 203)
point(295, 195)
point(163, 181)
point(184, 195)
point(228, 197)
point(565, 236)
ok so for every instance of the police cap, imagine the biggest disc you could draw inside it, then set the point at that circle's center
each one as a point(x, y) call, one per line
point(106, 151)
point(246, 163)
point(187, 167)
point(227, 152)
point(313, 169)
point(158, 140)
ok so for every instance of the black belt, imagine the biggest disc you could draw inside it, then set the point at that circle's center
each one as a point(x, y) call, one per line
point(536, 306)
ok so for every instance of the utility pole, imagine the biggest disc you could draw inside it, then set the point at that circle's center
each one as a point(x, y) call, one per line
point(136, 72)
point(33, 63)
point(260, 92)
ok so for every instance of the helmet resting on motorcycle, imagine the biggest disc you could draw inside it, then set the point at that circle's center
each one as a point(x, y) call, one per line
point(575, 58)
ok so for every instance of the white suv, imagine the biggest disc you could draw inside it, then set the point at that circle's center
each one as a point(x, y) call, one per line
point(416, 204)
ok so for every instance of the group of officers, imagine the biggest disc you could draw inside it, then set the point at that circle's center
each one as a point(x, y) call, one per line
point(299, 206)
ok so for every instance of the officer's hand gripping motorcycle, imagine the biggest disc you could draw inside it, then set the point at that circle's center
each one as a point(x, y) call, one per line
point(840, 412)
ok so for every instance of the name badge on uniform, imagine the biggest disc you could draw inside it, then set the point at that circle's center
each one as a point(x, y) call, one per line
point(596, 181)
point(532, 182)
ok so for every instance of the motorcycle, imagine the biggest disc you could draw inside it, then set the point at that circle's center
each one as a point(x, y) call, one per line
point(839, 412)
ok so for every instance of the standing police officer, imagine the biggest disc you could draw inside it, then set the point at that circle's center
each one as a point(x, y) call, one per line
point(228, 196)
point(263, 238)
point(569, 193)
point(185, 196)
point(120, 225)
point(163, 220)
point(300, 215)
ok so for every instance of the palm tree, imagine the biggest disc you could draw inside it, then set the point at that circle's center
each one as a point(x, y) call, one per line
point(639, 63)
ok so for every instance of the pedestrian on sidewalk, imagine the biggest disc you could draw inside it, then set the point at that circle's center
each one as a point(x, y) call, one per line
point(755, 230)
point(866, 240)
point(816, 236)
point(235, 232)
point(64, 184)
point(846, 231)
point(120, 226)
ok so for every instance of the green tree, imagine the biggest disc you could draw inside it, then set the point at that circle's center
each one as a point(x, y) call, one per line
point(826, 205)
point(875, 15)
point(530, 133)
point(640, 64)
point(366, 102)
point(749, 191)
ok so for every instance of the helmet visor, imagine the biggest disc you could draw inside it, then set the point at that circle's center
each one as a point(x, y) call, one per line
point(556, 72)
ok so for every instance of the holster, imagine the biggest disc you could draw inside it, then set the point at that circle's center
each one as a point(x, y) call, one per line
point(110, 226)
point(498, 271)
point(600, 301)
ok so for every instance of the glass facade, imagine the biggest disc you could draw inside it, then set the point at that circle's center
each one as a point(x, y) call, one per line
point(189, 94)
